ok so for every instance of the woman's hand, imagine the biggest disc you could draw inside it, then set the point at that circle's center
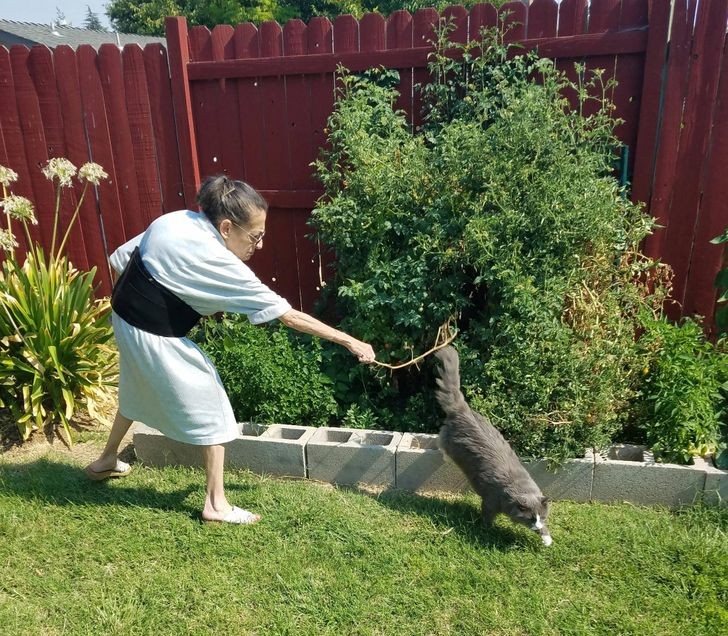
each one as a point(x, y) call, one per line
point(308, 324)
point(362, 351)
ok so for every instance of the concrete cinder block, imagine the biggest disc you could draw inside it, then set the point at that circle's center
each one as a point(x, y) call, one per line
point(154, 449)
point(572, 480)
point(349, 456)
point(715, 491)
point(422, 467)
point(646, 482)
point(277, 450)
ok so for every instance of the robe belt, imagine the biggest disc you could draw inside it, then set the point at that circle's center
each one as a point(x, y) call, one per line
point(148, 305)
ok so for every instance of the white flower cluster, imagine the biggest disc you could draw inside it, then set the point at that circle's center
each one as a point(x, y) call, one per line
point(19, 208)
point(92, 172)
point(7, 176)
point(60, 168)
point(7, 241)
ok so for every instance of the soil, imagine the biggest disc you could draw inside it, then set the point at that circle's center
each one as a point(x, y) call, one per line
point(89, 437)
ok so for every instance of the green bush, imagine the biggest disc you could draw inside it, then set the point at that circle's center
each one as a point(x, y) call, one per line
point(503, 212)
point(681, 403)
point(54, 337)
point(270, 373)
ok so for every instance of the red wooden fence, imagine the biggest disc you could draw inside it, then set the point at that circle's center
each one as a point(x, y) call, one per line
point(253, 103)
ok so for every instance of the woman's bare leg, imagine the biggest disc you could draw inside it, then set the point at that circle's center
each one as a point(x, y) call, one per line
point(109, 456)
point(216, 504)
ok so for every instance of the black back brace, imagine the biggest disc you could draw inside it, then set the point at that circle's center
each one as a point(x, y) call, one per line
point(148, 305)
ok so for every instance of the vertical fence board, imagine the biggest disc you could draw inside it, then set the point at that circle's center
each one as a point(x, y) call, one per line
point(112, 83)
point(250, 116)
point(13, 141)
point(178, 46)
point(650, 103)
point(298, 111)
point(31, 129)
point(572, 17)
point(697, 114)
point(204, 98)
point(97, 131)
point(424, 25)
point(142, 134)
point(399, 36)
point(670, 123)
point(225, 96)
point(700, 292)
point(69, 95)
point(42, 72)
point(514, 16)
point(165, 133)
point(542, 19)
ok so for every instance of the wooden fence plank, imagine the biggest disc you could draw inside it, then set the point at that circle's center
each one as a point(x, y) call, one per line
point(204, 97)
point(97, 131)
point(697, 115)
point(700, 292)
point(298, 111)
point(77, 149)
point(543, 16)
point(399, 36)
point(42, 72)
point(179, 57)
point(112, 83)
point(159, 86)
point(250, 115)
point(31, 128)
point(142, 134)
point(650, 103)
point(670, 122)
point(572, 17)
point(424, 25)
point(13, 141)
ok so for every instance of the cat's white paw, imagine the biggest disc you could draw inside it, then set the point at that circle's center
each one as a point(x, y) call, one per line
point(547, 540)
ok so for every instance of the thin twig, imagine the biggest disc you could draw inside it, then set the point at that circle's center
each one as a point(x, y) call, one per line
point(439, 344)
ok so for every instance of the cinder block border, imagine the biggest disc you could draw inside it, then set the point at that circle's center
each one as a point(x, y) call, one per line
point(413, 461)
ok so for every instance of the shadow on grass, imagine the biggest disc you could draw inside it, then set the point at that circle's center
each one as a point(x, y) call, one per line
point(59, 483)
point(459, 516)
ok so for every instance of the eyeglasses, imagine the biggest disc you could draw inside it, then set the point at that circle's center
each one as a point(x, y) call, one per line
point(256, 240)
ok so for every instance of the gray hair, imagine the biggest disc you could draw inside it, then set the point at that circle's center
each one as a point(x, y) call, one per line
point(222, 198)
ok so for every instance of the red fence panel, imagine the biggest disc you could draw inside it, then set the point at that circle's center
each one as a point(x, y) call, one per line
point(254, 103)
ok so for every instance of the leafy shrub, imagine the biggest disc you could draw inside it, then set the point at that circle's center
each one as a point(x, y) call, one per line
point(54, 337)
point(502, 211)
point(681, 403)
point(721, 281)
point(270, 373)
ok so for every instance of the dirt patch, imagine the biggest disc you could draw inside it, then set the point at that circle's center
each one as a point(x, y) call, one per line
point(89, 437)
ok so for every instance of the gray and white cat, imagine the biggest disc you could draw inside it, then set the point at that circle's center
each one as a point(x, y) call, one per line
point(488, 461)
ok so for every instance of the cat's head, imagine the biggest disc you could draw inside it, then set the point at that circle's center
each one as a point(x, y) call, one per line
point(532, 512)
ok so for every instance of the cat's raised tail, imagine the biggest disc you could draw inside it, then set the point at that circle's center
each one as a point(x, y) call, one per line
point(448, 392)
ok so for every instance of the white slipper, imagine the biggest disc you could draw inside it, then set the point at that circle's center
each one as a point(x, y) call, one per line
point(238, 516)
point(122, 469)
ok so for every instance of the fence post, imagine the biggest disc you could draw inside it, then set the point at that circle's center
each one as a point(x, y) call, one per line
point(650, 102)
point(179, 57)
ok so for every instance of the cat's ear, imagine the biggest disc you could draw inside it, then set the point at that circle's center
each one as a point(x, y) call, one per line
point(545, 501)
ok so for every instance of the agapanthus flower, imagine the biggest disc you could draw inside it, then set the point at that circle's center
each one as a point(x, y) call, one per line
point(7, 241)
point(92, 172)
point(7, 176)
point(19, 208)
point(60, 168)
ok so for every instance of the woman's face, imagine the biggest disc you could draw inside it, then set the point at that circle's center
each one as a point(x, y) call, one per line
point(243, 240)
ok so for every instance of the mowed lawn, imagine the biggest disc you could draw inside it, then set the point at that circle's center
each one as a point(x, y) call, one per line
point(132, 557)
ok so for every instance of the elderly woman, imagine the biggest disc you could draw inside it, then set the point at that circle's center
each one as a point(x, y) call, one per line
point(185, 266)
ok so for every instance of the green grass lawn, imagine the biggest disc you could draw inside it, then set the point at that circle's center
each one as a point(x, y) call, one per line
point(132, 557)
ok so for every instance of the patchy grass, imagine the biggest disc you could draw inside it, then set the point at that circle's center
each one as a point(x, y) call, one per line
point(132, 557)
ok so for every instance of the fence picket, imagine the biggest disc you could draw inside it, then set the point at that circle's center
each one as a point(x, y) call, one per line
point(165, 134)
